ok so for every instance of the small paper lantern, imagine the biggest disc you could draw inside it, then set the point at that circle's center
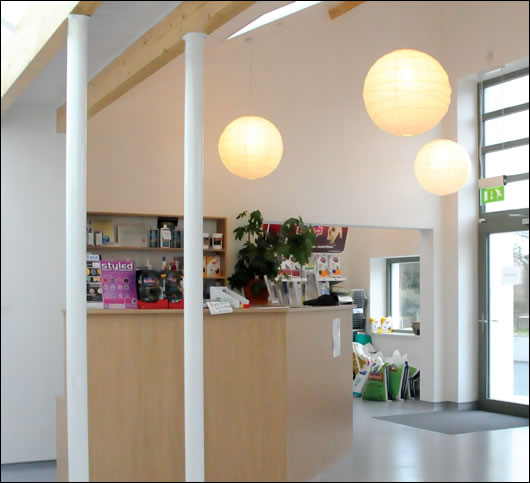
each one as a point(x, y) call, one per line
point(251, 147)
point(406, 92)
point(442, 167)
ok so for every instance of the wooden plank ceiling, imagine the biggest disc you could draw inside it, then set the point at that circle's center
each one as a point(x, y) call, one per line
point(158, 46)
point(341, 9)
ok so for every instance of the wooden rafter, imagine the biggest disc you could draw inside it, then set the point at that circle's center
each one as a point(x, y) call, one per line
point(39, 36)
point(161, 44)
point(342, 9)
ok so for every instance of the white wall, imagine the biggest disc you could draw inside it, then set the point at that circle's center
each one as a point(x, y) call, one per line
point(33, 287)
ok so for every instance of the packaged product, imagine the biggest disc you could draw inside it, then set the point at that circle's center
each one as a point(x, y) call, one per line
point(285, 267)
point(375, 325)
point(386, 325)
point(322, 264)
point(295, 267)
point(334, 265)
point(213, 266)
point(376, 386)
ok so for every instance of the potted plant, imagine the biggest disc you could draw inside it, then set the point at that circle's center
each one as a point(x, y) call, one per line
point(261, 253)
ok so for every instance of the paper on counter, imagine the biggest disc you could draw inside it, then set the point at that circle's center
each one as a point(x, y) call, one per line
point(336, 337)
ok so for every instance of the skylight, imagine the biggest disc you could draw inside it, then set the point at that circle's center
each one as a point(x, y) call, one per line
point(273, 16)
point(12, 12)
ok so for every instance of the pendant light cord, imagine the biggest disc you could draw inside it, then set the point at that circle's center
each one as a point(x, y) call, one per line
point(250, 93)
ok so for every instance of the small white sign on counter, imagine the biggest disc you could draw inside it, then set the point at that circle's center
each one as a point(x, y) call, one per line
point(219, 307)
point(336, 337)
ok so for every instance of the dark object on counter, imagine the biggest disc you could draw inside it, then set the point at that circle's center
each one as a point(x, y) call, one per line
point(174, 287)
point(149, 285)
point(323, 300)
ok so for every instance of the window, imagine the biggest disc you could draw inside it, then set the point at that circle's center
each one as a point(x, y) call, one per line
point(403, 291)
point(503, 129)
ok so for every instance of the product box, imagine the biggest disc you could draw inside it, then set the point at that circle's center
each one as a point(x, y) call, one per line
point(322, 264)
point(295, 267)
point(213, 266)
point(94, 292)
point(118, 279)
point(334, 265)
point(286, 267)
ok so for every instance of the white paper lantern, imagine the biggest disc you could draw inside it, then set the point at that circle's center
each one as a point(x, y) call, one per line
point(251, 147)
point(442, 167)
point(406, 92)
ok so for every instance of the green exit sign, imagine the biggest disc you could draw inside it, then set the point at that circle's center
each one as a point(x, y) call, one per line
point(490, 195)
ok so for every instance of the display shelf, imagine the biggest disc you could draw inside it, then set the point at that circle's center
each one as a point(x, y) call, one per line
point(135, 249)
point(331, 279)
point(123, 248)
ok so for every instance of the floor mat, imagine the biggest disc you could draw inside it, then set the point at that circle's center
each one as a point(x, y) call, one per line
point(457, 422)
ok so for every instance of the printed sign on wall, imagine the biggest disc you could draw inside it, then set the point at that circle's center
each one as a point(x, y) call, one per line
point(330, 239)
point(491, 195)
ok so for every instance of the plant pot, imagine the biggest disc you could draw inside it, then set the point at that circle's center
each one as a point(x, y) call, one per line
point(260, 298)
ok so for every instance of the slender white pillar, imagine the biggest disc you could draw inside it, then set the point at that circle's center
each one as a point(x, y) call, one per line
point(193, 281)
point(76, 338)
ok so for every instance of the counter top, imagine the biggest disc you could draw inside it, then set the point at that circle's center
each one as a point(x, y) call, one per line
point(253, 310)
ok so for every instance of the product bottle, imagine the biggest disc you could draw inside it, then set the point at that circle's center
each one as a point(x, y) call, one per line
point(174, 265)
point(164, 263)
point(165, 237)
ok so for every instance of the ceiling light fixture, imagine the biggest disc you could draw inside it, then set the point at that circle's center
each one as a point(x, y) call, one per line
point(250, 147)
point(406, 92)
point(442, 167)
point(274, 15)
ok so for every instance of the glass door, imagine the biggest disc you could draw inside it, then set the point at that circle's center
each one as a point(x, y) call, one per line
point(504, 314)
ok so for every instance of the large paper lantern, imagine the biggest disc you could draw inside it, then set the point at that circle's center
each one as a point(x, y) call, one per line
point(406, 92)
point(251, 147)
point(442, 167)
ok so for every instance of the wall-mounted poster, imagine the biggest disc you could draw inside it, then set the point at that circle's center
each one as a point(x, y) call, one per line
point(330, 239)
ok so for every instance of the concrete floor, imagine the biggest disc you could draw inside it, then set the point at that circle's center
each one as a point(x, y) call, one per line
point(384, 451)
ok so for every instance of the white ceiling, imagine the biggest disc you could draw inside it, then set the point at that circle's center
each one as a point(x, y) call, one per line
point(113, 27)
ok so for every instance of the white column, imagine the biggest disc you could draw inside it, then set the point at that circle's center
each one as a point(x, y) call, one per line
point(76, 339)
point(193, 281)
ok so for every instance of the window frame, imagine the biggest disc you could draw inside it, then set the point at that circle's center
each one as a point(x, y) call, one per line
point(485, 149)
point(389, 263)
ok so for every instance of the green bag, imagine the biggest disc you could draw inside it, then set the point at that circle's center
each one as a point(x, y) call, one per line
point(376, 387)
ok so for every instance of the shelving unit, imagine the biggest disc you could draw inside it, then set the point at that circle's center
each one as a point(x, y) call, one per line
point(144, 254)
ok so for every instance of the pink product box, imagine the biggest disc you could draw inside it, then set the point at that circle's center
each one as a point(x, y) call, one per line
point(118, 281)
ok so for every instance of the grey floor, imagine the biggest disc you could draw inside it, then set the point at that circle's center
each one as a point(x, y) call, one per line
point(385, 451)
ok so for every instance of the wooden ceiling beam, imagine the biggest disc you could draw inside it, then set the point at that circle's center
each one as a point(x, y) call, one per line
point(341, 9)
point(39, 36)
point(158, 46)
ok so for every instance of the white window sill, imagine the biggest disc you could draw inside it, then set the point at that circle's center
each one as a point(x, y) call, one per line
point(400, 334)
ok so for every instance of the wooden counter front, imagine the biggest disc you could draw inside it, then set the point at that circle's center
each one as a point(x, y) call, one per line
point(278, 405)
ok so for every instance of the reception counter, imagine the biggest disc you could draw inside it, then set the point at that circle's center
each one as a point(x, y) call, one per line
point(278, 404)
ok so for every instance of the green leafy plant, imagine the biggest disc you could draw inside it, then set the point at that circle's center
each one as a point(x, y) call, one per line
point(261, 253)
point(297, 240)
